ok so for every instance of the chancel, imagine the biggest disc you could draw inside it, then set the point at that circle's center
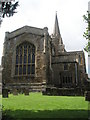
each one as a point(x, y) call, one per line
point(35, 61)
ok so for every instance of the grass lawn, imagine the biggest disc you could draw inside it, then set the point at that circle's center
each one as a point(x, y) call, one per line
point(38, 106)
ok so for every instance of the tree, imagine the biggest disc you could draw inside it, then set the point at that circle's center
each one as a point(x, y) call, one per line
point(87, 32)
point(7, 9)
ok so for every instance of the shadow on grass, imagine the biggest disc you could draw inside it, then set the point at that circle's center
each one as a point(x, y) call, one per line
point(54, 114)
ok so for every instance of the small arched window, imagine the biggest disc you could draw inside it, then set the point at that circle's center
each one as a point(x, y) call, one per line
point(25, 59)
point(66, 66)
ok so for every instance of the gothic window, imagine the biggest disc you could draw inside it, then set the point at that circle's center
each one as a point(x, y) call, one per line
point(65, 66)
point(25, 59)
point(67, 80)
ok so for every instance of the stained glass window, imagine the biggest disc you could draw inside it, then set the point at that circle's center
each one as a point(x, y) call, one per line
point(25, 59)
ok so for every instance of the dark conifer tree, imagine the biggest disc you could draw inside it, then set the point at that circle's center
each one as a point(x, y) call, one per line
point(7, 9)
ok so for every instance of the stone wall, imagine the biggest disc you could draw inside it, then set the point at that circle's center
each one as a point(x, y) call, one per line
point(0, 80)
point(76, 69)
point(49, 64)
point(39, 38)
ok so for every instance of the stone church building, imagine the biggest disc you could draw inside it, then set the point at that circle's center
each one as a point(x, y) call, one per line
point(34, 60)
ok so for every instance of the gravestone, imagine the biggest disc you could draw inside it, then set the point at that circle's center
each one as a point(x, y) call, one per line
point(15, 92)
point(26, 91)
point(5, 93)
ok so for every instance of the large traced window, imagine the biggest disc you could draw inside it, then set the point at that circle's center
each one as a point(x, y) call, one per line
point(25, 59)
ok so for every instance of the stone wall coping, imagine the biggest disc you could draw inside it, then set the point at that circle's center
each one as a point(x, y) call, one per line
point(72, 53)
point(26, 29)
point(67, 57)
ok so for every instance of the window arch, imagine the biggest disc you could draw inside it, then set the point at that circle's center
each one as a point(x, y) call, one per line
point(25, 59)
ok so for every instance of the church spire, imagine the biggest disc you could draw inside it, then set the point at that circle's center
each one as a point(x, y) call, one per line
point(56, 31)
point(57, 39)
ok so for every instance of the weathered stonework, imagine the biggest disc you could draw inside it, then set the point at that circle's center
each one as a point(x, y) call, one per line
point(55, 68)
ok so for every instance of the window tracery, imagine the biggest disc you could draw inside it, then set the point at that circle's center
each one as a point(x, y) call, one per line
point(25, 59)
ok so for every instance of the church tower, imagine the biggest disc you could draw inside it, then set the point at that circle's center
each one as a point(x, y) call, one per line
point(57, 43)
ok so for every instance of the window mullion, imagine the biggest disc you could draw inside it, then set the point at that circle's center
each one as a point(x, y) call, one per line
point(18, 60)
point(27, 62)
point(31, 62)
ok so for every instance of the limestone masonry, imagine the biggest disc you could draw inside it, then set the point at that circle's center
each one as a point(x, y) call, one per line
point(35, 61)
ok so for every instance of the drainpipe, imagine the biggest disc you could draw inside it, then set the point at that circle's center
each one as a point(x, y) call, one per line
point(76, 73)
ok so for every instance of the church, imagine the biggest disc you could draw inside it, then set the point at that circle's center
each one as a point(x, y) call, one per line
point(34, 60)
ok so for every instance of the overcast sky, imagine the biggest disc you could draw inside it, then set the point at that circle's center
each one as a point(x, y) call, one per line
point(41, 13)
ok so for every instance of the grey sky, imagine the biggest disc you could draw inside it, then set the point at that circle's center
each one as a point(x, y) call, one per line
point(41, 13)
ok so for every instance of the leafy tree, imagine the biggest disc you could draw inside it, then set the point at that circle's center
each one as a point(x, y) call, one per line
point(87, 32)
point(7, 9)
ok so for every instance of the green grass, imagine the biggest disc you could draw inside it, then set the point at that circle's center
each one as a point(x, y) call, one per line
point(38, 106)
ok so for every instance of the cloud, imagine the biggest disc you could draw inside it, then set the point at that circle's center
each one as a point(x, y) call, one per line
point(41, 13)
